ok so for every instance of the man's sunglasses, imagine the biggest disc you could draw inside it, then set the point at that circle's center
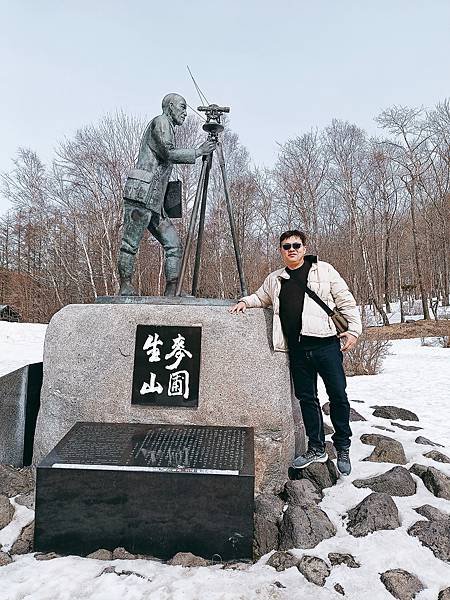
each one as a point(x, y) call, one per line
point(295, 245)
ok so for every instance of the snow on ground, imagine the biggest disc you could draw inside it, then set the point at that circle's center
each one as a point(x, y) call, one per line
point(21, 344)
point(414, 377)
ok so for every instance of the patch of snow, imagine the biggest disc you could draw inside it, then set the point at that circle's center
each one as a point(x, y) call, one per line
point(21, 344)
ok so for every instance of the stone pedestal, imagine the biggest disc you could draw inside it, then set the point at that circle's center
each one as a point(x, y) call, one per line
point(19, 405)
point(88, 374)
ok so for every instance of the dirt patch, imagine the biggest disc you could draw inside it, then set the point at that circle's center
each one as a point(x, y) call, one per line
point(415, 329)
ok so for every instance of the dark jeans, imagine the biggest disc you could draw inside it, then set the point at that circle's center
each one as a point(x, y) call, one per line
point(311, 357)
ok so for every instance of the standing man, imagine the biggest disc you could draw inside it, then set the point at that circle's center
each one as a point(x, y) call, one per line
point(302, 328)
point(145, 190)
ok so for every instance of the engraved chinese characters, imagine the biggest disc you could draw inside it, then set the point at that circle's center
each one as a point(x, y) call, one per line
point(166, 365)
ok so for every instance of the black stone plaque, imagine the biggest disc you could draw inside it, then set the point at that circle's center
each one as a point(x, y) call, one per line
point(166, 365)
point(153, 489)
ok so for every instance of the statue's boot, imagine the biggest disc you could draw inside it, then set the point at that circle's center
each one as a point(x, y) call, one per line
point(126, 267)
point(171, 288)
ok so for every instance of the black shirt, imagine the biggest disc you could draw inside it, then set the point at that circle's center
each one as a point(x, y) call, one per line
point(292, 296)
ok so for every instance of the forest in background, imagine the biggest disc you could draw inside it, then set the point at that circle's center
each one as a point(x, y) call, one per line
point(377, 208)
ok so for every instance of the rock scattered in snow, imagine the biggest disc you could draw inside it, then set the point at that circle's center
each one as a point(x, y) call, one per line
point(394, 412)
point(304, 527)
point(372, 439)
point(383, 428)
point(337, 558)
point(330, 450)
point(26, 500)
point(354, 415)
point(267, 517)
point(432, 513)
point(406, 427)
point(339, 589)
point(16, 481)
point(444, 594)
point(5, 559)
point(187, 559)
point(46, 555)
point(6, 511)
point(314, 569)
point(100, 554)
point(390, 451)
point(301, 491)
point(24, 542)
point(327, 429)
point(281, 561)
point(426, 442)
point(435, 481)
point(122, 554)
point(401, 584)
point(376, 512)
point(322, 475)
point(435, 535)
point(437, 456)
point(395, 482)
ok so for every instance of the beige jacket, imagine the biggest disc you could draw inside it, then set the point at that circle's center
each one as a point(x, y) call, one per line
point(328, 285)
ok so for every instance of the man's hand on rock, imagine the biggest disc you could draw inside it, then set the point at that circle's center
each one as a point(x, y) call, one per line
point(205, 148)
point(350, 341)
point(240, 307)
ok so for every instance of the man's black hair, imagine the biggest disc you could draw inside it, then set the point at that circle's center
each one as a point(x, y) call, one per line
point(293, 233)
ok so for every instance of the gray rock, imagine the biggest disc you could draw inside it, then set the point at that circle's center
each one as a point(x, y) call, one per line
point(406, 427)
point(267, 517)
point(354, 415)
point(389, 451)
point(6, 511)
point(401, 584)
point(383, 428)
point(437, 456)
point(122, 554)
point(46, 555)
point(301, 491)
point(435, 535)
point(187, 559)
point(327, 429)
point(26, 500)
point(314, 569)
point(304, 527)
point(376, 512)
point(330, 450)
point(444, 594)
point(5, 559)
point(101, 554)
point(395, 482)
point(359, 401)
point(432, 513)
point(322, 475)
point(282, 560)
point(102, 341)
point(372, 439)
point(337, 558)
point(15, 481)
point(339, 589)
point(24, 542)
point(435, 481)
point(394, 412)
point(426, 442)
point(237, 566)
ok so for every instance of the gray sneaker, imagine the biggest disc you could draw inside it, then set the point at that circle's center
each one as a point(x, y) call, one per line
point(343, 461)
point(312, 455)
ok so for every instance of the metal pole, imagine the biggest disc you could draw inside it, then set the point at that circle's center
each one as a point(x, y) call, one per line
point(190, 235)
point(201, 226)
point(232, 225)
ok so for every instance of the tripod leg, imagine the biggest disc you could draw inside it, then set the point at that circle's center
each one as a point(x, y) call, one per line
point(190, 235)
point(230, 216)
point(201, 227)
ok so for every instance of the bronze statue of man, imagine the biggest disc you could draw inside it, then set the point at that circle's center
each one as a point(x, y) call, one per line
point(145, 189)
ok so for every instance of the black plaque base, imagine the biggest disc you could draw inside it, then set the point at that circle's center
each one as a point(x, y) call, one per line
point(153, 489)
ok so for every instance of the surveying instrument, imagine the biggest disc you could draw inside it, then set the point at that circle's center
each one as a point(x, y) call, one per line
point(213, 127)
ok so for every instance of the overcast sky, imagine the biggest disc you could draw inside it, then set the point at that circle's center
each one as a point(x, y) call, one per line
point(283, 66)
